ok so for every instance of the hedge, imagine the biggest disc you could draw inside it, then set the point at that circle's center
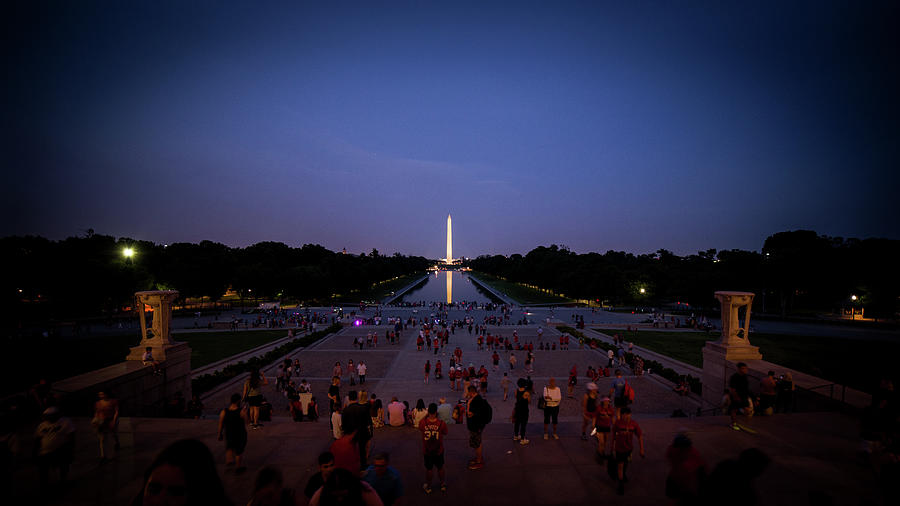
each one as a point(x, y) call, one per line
point(207, 382)
point(657, 368)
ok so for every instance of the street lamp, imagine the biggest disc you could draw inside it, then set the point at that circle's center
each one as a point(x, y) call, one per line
point(128, 252)
point(643, 291)
point(853, 299)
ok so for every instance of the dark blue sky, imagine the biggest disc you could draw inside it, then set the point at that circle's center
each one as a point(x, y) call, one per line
point(598, 125)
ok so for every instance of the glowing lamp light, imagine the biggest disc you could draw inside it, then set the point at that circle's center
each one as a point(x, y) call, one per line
point(643, 290)
point(853, 297)
point(357, 323)
point(128, 252)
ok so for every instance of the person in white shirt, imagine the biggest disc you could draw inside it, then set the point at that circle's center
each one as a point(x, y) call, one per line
point(553, 396)
point(395, 413)
point(361, 372)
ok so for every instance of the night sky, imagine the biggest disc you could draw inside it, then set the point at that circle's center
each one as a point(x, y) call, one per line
point(622, 125)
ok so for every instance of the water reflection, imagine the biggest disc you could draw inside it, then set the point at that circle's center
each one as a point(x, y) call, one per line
point(440, 289)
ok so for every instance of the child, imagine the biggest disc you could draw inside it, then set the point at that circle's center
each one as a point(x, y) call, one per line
point(297, 410)
point(504, 382)
point(336, 424)
point(147, 359)
point(312, 410)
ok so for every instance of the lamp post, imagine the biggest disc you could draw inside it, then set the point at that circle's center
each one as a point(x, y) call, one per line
point(853, 299)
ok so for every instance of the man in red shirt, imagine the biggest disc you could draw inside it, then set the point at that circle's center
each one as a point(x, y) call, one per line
point(346, 453)
point(433, 431)
point(623, 431)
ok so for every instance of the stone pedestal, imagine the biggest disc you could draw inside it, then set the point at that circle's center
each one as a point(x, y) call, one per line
point(720, 357)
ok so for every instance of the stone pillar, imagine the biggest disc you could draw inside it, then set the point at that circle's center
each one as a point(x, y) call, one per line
point(174, 357)
point(720, 357)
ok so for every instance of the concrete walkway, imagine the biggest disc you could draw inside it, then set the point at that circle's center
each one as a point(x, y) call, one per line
point(810, 451)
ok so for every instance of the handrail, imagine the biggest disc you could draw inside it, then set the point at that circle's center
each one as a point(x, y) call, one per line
point(831, 392)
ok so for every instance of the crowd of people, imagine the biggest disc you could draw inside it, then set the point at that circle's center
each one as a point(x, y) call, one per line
point(357, 417)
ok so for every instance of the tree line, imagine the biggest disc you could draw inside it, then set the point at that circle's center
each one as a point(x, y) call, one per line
point(796, 273)
point(90, 275)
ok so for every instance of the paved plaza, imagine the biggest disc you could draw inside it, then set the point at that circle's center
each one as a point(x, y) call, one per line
point(809, 451)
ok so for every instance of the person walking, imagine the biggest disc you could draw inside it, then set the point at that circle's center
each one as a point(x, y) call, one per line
point(233, 429)
point(520, 412)
point(504, 384)
point(589, 406)
point(573, 381)
point(623, 431)
point(603, 419)
point(106, 421)
point(253, 395)
point(433, 430)
point(617, 392)
point(427, 370)
point(553, 397)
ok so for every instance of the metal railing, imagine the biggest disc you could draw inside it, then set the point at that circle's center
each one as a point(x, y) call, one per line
point(830, 386)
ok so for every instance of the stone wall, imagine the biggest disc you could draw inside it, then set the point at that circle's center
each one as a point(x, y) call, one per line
point(139, 390)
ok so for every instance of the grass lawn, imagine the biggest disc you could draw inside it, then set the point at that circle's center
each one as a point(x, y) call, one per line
point(382, 289)
point(520, 293)
point(27, 361)
point(209, 347)
point(853, 362)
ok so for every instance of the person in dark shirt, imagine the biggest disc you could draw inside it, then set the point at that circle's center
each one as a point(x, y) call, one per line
point(476, 419)
point(357, 418)
point(739, 390)
point(326, 466)
point(334, 394)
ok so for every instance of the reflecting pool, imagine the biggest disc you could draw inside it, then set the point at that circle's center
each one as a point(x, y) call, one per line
point(447, 286)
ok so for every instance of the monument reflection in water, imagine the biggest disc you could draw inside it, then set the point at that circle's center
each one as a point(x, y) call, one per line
point(448, 287)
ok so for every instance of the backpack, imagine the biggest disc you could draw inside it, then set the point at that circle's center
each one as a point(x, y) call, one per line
point(629, 392)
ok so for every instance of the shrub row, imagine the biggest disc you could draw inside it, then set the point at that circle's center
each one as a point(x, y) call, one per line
point(207, 382)
point(657, 368)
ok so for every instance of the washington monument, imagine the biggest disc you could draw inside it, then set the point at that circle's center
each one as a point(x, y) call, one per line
point(449, 258)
